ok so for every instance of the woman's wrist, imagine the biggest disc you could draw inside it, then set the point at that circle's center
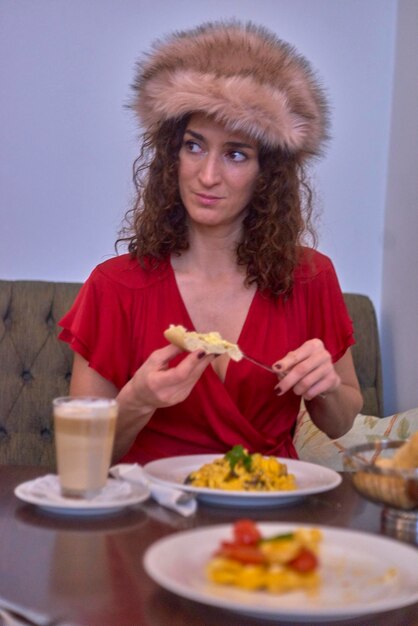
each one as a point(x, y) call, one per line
point(335, 413)
point(131, 403)
point(133, 416)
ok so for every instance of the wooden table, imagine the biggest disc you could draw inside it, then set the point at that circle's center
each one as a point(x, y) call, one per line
point(89, 572)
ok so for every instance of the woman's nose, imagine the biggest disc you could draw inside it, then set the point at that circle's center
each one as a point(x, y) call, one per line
point(210, 170)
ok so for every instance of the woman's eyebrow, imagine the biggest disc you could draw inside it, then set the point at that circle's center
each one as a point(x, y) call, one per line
point(194, 134)
point(239, 144)
point(230, 144)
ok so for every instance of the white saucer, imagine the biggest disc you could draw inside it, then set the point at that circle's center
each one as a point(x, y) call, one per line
point(45, 493)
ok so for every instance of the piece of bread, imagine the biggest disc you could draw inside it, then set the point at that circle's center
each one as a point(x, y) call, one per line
point(406, 457)
point(211, 343)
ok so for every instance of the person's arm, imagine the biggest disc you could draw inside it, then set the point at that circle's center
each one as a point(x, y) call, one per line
point(334, 411)
point(154, 385)
point(85, 381)
point(331, 391)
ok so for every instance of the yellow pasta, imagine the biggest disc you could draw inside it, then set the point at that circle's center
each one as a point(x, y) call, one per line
point(240, 471)
point(285, 563)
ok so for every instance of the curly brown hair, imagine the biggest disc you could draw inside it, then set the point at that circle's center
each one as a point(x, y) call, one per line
point(278, 220)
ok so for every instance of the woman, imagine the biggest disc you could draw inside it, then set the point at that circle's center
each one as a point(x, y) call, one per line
point(232, 116)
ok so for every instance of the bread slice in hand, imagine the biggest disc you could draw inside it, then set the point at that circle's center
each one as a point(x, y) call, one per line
point(211, 343)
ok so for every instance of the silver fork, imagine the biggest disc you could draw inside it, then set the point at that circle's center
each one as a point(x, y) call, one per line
point(259, 363)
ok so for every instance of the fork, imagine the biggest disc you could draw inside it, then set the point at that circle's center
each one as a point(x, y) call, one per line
point(270, 369)
point(259, 363)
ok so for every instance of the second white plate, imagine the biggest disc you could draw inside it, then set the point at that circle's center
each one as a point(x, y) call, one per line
point(361, 574)
point(310, 479)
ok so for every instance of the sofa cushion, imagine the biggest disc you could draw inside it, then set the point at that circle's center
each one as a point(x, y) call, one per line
point(314, 446)
point(366, 352)
point(34, 367)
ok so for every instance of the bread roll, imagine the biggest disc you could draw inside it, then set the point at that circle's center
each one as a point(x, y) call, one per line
point(406, 457)
point(211, 343)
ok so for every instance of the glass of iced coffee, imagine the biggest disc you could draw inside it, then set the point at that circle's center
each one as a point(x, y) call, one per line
point(84, 434)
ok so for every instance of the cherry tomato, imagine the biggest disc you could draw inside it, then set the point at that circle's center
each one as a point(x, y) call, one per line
point(305, 561)
point(243, 553)
point(246, 532)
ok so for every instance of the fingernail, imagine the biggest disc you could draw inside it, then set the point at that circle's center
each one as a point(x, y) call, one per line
point(201, 355)
point(279, 391)
point(277, 366)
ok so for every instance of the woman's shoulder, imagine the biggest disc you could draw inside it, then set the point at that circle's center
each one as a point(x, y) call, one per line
point(312, 264)
point(126, 271)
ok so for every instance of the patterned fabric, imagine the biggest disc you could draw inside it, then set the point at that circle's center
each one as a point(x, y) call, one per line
point(314, 446)
point(34, 368)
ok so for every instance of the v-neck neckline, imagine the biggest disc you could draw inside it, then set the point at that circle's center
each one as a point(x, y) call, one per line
point(242, 335)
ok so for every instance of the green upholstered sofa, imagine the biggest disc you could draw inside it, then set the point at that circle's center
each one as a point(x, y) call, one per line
point(36, 367)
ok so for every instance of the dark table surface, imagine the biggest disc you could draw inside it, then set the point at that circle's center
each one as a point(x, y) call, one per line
point(88, 571)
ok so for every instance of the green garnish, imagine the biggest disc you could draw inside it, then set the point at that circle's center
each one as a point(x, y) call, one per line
point(281, 537)
point(236, 454)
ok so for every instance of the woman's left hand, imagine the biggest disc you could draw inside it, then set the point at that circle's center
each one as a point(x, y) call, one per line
point(308, 371)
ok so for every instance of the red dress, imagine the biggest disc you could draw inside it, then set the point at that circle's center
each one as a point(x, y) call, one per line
point(119, 318)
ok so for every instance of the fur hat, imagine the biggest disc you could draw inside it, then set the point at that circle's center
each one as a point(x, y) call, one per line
point(243, 76)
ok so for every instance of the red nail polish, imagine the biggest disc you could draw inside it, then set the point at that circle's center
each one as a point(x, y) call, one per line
point(201, 355)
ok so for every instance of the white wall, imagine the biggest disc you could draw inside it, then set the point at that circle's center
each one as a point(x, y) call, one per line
point(68, 143)
point(399, 313)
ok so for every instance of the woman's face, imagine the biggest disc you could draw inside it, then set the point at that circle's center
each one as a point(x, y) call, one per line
point(217, 172)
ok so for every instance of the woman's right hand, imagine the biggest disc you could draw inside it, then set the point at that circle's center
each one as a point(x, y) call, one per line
point(156, 384)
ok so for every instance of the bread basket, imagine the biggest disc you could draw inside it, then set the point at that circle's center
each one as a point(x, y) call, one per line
point(374, 479)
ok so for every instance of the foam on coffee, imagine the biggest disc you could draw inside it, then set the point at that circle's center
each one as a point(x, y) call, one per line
point(77, 408)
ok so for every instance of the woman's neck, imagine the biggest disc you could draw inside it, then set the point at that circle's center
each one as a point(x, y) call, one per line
point(210, 253)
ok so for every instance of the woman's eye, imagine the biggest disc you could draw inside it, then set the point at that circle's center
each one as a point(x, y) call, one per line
point(237, 156)
point(192, 146)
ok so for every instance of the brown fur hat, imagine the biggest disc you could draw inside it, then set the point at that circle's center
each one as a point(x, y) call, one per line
point(243, 76)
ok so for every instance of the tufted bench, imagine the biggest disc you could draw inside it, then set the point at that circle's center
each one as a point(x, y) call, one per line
point(366, 352)
point(35, 367)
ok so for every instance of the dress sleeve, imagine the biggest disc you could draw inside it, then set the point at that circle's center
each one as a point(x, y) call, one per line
point(98, 327)
point(328, 316)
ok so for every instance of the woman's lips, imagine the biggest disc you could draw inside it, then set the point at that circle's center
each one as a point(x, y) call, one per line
point(207, 199)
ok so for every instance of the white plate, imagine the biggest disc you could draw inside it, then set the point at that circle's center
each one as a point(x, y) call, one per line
point(45, 493)
point(310, 479)
point(361, 574)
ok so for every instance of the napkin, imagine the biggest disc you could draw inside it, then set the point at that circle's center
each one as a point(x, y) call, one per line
point(20, 618)
point(12, 614)
point(175, 499)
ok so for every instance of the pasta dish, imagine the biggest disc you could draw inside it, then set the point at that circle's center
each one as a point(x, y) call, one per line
point(285, 562)
point(240, 471)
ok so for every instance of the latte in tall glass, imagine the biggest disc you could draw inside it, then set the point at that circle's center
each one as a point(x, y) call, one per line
point(84, 436)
